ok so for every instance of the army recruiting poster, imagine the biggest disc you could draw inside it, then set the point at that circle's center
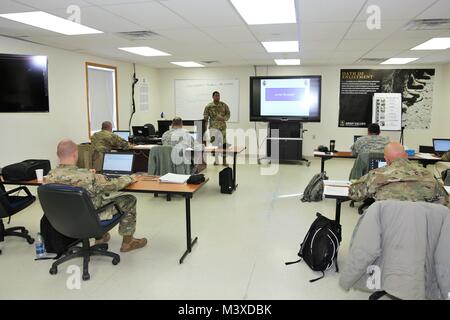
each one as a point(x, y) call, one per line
point(357, 87)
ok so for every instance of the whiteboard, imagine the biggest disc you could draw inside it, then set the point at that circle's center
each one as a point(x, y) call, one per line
point(387, 110)
point(192, 96)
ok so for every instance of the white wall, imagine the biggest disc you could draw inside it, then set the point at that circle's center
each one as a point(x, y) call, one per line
point(328, 127)
point(24, 136)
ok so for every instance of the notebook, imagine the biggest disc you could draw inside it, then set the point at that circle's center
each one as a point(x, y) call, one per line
point(117, 164)
point(174, 178)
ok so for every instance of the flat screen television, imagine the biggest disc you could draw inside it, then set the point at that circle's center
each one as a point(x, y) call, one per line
point(285, 98)
point(23, 83)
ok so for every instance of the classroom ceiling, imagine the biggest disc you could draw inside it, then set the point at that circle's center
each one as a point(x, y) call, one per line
point(212, 32)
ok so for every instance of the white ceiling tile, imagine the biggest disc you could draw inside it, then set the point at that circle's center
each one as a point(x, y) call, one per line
point(100, 19)
point(443, 57)
point(110, 2)
point(52, 4)
point(311, 45)
point(328, 11)
point(250, 47)
point(186, 36)
point(396, 10)
point(398, 44)
point(275, 32)
point(348, 54)
point(206, 13)
point(440, 10)
point(383, 54)
point(94, 41)
point(359, 30)
point(416, 34)
point(7, 6)
point(151, 15)
point(323, 30)
point(357, 45)
point(230, 34)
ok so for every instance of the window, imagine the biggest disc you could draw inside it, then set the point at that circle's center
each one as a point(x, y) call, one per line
point(101, 84)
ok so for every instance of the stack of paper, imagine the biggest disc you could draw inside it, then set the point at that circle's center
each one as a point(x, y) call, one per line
point(427, 156)
point(336, 187)
point(174, 178)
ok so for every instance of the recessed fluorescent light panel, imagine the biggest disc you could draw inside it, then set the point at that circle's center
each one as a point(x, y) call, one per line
point(188, 64)
point(281, 46)
point(145, 51)
point(50, 22)
point(434, 44)
point(266, 11)
point(287, 62)
point(399, 60)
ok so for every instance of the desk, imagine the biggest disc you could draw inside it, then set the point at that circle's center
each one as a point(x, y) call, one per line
point(348, 155)
point(234, 151)
point(340, 194)
point(151, 185)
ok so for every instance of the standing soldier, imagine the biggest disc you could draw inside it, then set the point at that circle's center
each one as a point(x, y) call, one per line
point(217, 113)
point(98, 186)
point(104, 141)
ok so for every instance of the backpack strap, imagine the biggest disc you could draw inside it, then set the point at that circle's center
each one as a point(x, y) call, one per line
point(314, 280)
point(336, 264)
point(292, 262)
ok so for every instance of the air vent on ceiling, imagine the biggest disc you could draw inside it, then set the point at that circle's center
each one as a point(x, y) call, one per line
point(139, 35)
point(371, 60)
point(209, 62)
point(428, 24)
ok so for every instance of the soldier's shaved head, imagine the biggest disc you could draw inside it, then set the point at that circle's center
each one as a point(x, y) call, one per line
point(67, 150)
point(107, 125)
point(394, 150)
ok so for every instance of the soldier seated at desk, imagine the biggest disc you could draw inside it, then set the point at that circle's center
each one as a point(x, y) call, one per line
point(373, 142)
point(98, 186)
point(104, 141)
point(400, 179)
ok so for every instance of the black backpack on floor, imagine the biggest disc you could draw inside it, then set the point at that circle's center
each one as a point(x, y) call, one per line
point(314, 189)
point(320, 247)
point(54, 241)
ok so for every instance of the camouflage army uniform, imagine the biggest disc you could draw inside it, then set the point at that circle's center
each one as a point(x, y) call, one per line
point(176, 136)
point(97, 186)
point(217, 115)
point(104, 141)
point(370, 143)
point(402, 180)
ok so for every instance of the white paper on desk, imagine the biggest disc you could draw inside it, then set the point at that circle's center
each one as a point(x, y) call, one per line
point(319, 153)
point(144, 146)
point(426, 156)
point(337, 183)
point(335, 191)
point(174, 178)
point(447, 188)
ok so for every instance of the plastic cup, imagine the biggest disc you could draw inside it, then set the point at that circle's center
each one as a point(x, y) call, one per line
point(40, 175)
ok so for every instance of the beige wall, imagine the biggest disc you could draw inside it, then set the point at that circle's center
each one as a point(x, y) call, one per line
point(24, 136)
point(35, 135)
point(318, 133)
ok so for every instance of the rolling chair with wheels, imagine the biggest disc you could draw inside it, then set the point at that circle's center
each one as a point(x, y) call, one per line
point(151, 129)
point(10, 205)
point(71, 212)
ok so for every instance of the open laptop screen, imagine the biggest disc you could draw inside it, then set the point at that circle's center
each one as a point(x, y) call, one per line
point(441, 145)
point(376, 163)
point(123, 134)
point(114, 162)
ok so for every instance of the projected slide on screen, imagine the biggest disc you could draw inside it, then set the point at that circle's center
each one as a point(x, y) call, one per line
point(288, 97)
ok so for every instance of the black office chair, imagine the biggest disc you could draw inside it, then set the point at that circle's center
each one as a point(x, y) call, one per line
point(151, 129)
point(71, 212)
point(10, 205)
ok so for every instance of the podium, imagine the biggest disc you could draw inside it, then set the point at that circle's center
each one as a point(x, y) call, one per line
point(288, 135)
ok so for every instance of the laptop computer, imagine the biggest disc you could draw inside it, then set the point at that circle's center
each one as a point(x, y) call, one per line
point(140, 131)
point(376, 163)
point(441, 146)
point(117, 164)
point(122, 133)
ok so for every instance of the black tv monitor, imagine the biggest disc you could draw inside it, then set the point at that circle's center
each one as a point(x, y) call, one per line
point(23, 83)
point(285, 98)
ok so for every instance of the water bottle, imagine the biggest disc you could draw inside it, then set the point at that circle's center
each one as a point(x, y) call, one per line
point(40, 247)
